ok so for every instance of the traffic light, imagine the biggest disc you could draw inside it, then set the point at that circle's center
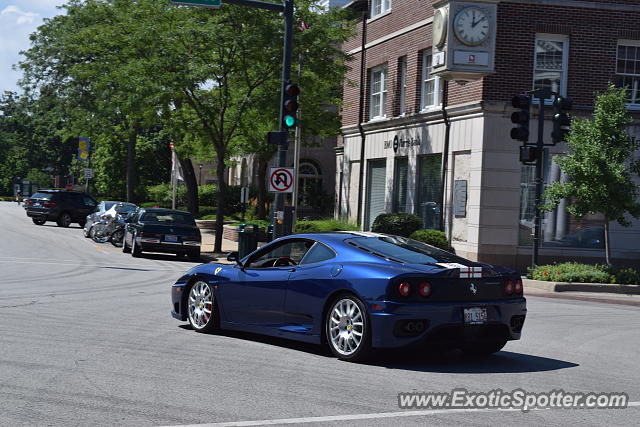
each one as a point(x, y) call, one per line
point(561, 120)
point(528, 153)
point(521, 117)
point(290, 105)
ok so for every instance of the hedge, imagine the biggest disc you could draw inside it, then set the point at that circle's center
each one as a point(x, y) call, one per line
point(324, 225)
point(585, 273)
point(400, 224)
point(435, 238)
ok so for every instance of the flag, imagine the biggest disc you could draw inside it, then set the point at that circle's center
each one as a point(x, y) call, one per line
point(84, 148)
point(176, 169)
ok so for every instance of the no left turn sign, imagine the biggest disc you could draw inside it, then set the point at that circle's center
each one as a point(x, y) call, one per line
point(281, 180)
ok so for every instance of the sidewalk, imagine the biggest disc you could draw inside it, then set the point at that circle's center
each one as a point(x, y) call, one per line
point(208, 241)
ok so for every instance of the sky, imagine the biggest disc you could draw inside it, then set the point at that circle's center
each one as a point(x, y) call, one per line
point(18, 19)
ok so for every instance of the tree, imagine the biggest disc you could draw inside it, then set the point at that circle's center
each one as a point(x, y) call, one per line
point(600, 166)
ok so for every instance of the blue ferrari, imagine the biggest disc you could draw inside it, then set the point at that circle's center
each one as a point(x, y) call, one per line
point(356, 292)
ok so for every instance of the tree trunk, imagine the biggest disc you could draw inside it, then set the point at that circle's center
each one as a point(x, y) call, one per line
point(607, 246)
point(189, 176)
point(261, 211)
point(131, 164)
point(222, 186)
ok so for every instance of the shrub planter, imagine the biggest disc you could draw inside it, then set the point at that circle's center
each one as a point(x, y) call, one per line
point(581, 287)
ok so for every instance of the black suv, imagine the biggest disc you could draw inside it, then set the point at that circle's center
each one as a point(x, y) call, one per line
point(63, 207)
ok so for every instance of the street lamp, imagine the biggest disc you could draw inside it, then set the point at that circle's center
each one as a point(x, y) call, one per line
point(200, 174)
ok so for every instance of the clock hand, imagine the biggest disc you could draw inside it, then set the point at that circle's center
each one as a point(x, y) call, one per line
point(474, 23)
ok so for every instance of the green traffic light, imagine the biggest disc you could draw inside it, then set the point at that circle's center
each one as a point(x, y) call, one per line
point(290, 121)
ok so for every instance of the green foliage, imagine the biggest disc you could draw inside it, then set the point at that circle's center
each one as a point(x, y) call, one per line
point(324, 225)
point(161, 195)
point(207, 195)
point(401, 224)
point(600, 165)
point(41, 179)
point(435, 238)
point(584, 273)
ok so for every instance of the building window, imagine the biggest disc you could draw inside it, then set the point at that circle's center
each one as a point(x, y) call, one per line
point(429, 191)
point(309, 184)
point(430, 87)
point(550, 63)
point(402, 85)
point(628, 71)
point(378, 99)
point(400, 185)
point(378, 7)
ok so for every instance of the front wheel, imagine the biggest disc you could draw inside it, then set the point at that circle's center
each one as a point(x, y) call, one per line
point(38, 221)
point(117, 238)
point(99, 233)
point(202, 308)
point(347, 329)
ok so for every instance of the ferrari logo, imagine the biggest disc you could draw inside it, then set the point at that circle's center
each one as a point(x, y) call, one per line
point(217, 270)
point(473, 288)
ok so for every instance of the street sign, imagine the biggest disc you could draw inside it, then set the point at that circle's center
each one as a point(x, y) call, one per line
point(202, 3)
point(281, 180)
point(88, 173)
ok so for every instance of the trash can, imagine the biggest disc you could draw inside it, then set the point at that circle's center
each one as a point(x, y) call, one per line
point(247, 239)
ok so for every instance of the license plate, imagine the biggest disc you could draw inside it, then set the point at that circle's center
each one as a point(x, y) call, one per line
point(170, 238)
point(475, 315)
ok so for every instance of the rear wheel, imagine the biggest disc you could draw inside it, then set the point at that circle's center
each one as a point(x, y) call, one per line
point(482, 348)
point(347, 329)
point(117, 238)
point(64, 220)
point(202, 308)
point(38, 221)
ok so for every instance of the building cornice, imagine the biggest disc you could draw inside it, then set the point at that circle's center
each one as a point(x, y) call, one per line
point(392, 35)
point(581, 4)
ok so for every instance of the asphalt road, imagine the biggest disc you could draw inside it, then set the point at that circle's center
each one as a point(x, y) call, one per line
point(86, 338)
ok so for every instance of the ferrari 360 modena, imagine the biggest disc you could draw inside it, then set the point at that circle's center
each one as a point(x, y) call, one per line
point(356, 292)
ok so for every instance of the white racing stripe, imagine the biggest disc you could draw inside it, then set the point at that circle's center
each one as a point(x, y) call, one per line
point(356, 417)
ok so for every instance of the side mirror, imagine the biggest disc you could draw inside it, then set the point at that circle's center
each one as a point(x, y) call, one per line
point(233, 256)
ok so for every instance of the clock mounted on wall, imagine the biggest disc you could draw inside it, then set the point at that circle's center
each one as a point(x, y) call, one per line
point(471, 26)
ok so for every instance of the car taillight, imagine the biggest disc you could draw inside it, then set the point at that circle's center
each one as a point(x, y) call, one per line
point(517, 286)
point(49, 204)
point(147, 234)
point(424, 289)
point(29, 202)
point(508, 287)
point(404, 289)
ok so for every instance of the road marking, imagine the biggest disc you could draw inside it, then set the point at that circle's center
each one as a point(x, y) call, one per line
point(356, 417)
point(153, 267)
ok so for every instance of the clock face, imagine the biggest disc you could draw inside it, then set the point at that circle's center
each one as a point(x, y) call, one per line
point(471, 25)
point(439, 27)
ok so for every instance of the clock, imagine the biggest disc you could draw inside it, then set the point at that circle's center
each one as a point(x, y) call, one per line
point(439, 27)
point(471, 25)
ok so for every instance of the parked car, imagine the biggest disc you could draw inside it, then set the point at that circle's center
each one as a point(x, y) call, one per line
point(589, 238)
point(162, 230)
point(356, 292)
point(63, 207)
point(101, 209)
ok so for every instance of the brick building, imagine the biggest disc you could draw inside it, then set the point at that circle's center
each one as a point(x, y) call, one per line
point(574, 47)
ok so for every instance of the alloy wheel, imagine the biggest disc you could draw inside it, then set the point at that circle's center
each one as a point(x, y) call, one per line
point(200, 306)
point(346, 328)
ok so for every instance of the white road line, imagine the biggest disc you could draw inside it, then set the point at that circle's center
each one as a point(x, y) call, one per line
point(356, 417)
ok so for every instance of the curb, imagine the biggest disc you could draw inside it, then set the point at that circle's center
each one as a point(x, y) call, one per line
point(582, 287)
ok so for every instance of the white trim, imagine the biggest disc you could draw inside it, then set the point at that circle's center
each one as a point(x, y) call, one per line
point(392, 35)
point(385, 7)
point(564, 72)
point(426, 68)
point(381, 113)
point(634, 106)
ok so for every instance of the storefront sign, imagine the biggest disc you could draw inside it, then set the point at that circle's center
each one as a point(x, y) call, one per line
point(400, 142)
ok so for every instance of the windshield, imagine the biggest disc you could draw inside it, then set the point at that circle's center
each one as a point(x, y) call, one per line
point(402, 249)
point(168, 218)
point(125, 208)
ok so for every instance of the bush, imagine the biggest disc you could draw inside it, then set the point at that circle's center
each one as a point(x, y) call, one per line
point(207, 195)
point(435, 238)
point(627, 276)
point(401, 224)
point(573, 272)
point(324, 225)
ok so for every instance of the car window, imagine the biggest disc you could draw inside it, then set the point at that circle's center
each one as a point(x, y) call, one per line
point(294, 250)
point(45, 196)
point(168, 218)
point(403, 250)
point(88, 201)
point(317, 253)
